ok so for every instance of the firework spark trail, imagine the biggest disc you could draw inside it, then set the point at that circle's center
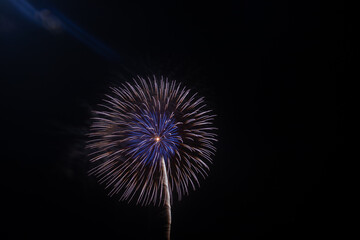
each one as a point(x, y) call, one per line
point(151, 141)
point(165, 183)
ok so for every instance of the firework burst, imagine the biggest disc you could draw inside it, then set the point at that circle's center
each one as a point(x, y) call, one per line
point(151, 141)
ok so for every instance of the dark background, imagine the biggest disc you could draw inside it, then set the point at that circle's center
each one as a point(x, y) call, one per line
point(270, 70)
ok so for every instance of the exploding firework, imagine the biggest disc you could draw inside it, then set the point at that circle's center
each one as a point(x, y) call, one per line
point(145, 128)
point(151, 141)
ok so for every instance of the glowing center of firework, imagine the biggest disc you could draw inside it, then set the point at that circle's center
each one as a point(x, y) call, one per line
point(152, 136)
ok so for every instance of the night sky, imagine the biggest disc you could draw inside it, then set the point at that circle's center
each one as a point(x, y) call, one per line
point(270, 70)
